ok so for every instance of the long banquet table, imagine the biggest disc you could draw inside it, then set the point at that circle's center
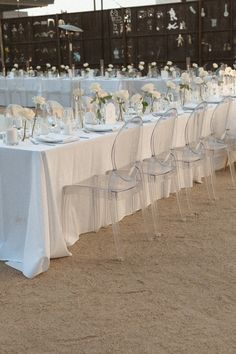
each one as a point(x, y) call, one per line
point(20, 90)
point(31, 182)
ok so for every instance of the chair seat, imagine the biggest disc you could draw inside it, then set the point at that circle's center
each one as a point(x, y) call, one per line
point(215, 145)
point(106, 183)
point(155, 168)
point(189, 156)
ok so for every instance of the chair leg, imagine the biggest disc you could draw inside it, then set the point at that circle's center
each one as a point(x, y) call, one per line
point(232, 168)
point(178, 197)
point(210, 157)
point(209, 174)
point(154, 207)
point(115, 224)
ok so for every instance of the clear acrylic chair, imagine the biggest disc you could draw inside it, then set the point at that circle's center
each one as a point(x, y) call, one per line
point(193, 157)
point(125, 180)
point(161, 170)
point(219, 141)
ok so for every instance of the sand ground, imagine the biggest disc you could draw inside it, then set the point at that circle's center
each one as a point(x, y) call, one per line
point(174, 295)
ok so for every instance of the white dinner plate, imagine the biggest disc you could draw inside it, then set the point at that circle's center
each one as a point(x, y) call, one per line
point(190, 106)
point(100, 127)
point(214, 100)
point(56, 138)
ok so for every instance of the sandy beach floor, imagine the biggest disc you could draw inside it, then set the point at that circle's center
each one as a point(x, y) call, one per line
point(174, 295)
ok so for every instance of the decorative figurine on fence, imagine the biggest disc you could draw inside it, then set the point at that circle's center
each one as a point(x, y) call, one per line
point(172, 14)
point(180, 40)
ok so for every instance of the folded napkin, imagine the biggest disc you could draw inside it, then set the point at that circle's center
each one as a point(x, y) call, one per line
point(90, 118)
point(57, 138)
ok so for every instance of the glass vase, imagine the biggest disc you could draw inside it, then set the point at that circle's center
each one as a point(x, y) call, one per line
point(100, 114)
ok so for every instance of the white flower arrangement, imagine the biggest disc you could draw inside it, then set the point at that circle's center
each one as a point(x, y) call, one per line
point(151, 95)
point(78, 92)
point(38, 100)
point(136, 99)
point(95, 87)
point(141, 65)
point(228, 71)
point(171, 85)
point(202, 72)
point(86, 67)
point(121, 97)
point(199, 81)
point(185, 78)
point(100, 97)
point(148, 88)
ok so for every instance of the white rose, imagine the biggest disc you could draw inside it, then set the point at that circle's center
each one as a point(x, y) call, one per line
point(166, 68)
point(62, 66)
point(185, 78)
point(215, 65)
point(202, 72)
point(110, 65)
point(169, 63)
point(148, 87)
point(123, 69)
point(122, 95)
point(129, 67)
point(198, 81)
point(156, 95)
point(16, 66)
point(102, 94)
point(13, 69)
point(136, 99)
point(153, 63)
point(67, 67)
point(109, 69)
point(141, 67)
point(54, 68)
point(95, 87)
point(48, 65)
point(195, 65)
point(85, 65)
point(228, 70)
point(172, 69)
point(38, 67)
point(171, 85)
point(141, 63)
point(38, 100)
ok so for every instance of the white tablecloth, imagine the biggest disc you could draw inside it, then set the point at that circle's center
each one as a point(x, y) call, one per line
point(31, 182)
point(20, 90)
